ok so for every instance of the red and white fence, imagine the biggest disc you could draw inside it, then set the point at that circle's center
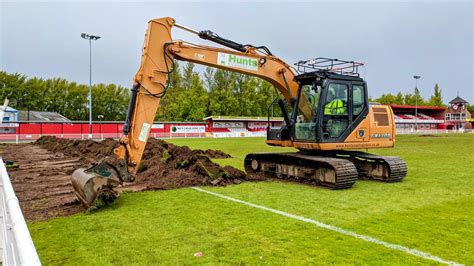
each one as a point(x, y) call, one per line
point(24, 132)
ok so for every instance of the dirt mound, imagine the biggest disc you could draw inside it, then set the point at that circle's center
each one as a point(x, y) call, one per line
point(42, 177)
point(164, 165)
point(87, 150)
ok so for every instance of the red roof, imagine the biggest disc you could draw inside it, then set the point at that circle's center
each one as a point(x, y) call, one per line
point(396, 106)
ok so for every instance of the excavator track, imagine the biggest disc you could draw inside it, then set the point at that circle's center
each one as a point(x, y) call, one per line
point(376, 167)
point(333, 173)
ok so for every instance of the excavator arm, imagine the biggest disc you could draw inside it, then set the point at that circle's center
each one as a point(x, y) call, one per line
point(150, 85)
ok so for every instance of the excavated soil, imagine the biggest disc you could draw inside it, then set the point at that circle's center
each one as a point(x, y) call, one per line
point(42, 179)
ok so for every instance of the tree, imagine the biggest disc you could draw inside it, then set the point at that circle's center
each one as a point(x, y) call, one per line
point(64, 97)
point(197, 97)
point(110, 101)
point(220, 102)
point(11, 86)
point(386, 99)
point(470, 108)
point(436, 99)
point(418, 99)
point(168, 104)
point(399, 99)
point(409, 99)
point(192, 98)
point(77, 102)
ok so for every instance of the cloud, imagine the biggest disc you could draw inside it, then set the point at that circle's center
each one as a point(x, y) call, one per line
point(395, 39)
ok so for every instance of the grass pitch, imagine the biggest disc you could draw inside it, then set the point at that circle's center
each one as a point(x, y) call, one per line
point(432, 211)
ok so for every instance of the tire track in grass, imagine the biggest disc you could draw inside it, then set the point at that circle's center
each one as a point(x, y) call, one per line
point(401, 248)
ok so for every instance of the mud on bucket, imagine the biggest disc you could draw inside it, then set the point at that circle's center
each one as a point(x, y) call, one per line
point(93, 189)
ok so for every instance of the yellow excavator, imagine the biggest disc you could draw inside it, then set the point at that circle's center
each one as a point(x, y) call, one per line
point(324, 102)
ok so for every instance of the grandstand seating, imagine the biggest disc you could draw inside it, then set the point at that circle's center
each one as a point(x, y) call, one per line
point(412, 117)
point(402, 116)
point(256, 129)
point(423, 116)
point(219, 129)
point(237, 129)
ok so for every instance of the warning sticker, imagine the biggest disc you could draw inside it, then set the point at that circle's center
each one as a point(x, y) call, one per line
point(144, 132)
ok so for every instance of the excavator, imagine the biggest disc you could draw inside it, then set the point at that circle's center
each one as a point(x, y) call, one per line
point(324, 102)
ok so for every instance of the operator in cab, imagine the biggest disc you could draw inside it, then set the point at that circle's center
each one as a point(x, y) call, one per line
point(334, 106)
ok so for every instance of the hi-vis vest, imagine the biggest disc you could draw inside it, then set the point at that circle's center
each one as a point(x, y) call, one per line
point(335, 107)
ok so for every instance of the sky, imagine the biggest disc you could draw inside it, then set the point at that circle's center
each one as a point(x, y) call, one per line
point(395, 39)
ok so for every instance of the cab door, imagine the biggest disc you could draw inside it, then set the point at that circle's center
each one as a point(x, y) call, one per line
point(305, 120)
point(343, 107)
point(335, 110)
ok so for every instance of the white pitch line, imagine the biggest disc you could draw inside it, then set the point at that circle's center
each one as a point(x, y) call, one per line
point(410, 251)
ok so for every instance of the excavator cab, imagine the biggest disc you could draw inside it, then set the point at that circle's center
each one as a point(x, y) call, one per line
point(330, 103)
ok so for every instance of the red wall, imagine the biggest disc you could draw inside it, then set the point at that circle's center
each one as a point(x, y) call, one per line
point(108, 128)
point(29, 129)
point(71, 128)
point(83, 128)
point(51, 128)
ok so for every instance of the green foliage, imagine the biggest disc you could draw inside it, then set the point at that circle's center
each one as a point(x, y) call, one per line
point(412, 99)
point(218, 92)
point(64, 97)
point(470, 108)
point(428, 211)
point(386, 99)
point(436, 99)
point(189, 97)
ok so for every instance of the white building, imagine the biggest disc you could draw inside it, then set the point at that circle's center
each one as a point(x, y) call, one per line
point(10, 115)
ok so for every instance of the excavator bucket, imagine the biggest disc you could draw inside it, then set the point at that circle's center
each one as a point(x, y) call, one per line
point(95, 186)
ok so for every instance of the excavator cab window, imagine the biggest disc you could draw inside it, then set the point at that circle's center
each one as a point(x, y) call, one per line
point(306, 117)
point(326, 108)
point(358, 99)
point(336, 110)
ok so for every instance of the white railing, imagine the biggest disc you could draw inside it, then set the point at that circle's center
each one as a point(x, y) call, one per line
point(16, 243)
point(418, 121)
point(239, 134)
point(432, 131)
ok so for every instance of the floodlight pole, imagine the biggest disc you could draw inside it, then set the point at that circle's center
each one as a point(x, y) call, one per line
point(90, 38)
point(416, 102)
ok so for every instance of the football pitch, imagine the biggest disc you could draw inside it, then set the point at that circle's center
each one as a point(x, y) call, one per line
point(426, 219)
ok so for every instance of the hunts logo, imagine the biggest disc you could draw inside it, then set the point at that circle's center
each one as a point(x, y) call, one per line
point(231, 60)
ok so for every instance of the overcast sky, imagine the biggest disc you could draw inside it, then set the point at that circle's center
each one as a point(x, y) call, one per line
point(396, 40)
